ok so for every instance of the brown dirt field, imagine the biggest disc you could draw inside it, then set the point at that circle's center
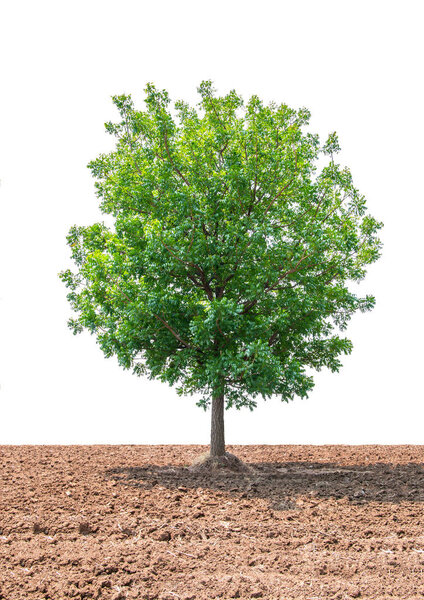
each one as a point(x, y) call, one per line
point(116, 522)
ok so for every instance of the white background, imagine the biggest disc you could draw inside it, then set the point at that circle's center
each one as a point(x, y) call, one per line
point(357, 65)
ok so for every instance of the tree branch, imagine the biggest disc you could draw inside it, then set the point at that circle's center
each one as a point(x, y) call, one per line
point(174, 333)
point(284, 188)
point(176, 169)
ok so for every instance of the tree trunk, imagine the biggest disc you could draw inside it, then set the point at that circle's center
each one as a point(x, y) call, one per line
point(217, 426)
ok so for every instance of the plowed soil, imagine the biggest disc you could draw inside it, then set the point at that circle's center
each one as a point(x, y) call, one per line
point(117, 522)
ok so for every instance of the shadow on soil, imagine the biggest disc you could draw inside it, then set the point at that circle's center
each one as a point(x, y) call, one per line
point(283, 483)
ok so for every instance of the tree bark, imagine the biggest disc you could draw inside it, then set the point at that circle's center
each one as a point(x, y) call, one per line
point(217, 426)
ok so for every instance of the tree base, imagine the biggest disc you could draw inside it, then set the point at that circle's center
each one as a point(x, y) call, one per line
point(211, 464)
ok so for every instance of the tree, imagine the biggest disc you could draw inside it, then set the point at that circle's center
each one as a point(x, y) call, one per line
point(227, 269)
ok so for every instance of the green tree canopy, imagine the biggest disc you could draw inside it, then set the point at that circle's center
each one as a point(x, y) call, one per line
point(227, 269)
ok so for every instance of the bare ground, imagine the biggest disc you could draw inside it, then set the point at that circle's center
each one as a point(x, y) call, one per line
point(116, 522)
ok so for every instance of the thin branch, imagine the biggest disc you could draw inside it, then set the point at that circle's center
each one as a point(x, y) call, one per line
point(284, 188)
point(219, 328)
point(117, 285)
point(333, 210)
point(299, 217)
point(172, 253)
point(289, 272)
point(273, 338)
point(192, 237)
point(256, 180)
point(176, 169)
point(174, 333)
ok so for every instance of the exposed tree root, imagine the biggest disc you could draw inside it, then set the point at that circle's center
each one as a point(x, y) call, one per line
point(228, 462)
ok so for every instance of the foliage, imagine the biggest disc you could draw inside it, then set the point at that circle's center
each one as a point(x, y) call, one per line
point(228, 265)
